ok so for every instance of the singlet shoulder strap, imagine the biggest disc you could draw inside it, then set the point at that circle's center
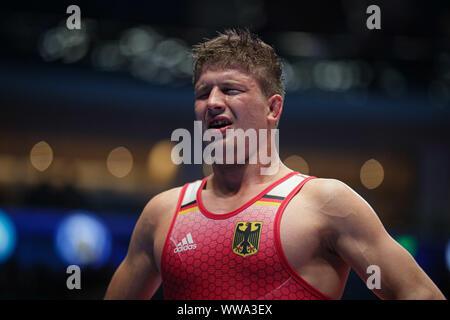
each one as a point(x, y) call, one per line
point(190, 195)
point(279, 192)
point(282, 190)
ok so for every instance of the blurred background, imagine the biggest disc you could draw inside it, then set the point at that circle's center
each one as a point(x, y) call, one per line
point(86, 118)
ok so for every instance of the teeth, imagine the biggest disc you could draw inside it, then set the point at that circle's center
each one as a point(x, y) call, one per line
point(218, 123)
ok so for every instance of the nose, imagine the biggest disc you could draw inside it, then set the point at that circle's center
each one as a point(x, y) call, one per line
point(216, 101)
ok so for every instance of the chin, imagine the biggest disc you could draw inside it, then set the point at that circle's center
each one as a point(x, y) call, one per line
point(220, 157)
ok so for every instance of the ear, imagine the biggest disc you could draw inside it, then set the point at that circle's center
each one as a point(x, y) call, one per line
point(275, 108)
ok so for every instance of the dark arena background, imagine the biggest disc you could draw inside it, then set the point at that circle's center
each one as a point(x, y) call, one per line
point(86, 118)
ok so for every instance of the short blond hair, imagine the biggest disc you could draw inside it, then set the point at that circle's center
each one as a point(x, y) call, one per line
point(241, 49)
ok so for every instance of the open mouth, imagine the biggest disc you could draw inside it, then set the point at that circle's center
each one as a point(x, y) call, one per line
point(219, 123)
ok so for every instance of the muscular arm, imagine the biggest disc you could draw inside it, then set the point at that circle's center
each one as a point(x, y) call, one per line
point(360, 239)
point(138, 276)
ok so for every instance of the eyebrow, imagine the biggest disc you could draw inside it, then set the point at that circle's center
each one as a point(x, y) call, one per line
point(225, 82)
point(199, 87)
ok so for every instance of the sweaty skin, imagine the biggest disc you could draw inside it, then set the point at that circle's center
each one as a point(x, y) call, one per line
point(326, 229)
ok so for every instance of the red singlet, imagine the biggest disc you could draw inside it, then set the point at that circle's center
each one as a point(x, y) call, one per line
point(236, 255)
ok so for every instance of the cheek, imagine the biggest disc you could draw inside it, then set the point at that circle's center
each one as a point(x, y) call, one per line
point(199, 111)
point(254, 113)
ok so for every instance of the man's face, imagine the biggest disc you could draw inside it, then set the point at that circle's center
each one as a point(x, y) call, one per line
point(230, 99)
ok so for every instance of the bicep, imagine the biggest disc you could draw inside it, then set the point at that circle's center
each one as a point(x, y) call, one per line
point(362, 241)
point(137, 277)
point(392, 270)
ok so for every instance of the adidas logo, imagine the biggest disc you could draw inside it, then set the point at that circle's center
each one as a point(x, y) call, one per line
point(187, 243)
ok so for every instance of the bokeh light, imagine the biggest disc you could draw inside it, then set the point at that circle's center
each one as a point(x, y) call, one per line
point(8, 237)
point(372, 174)
point(161, 168)
point(297, 163)
point(7, 168)
point(108, 57)
point(119, 162)
point(82, 239)
point(61, 43)
point(409, 243)
point(137, 41)
point(41, 156)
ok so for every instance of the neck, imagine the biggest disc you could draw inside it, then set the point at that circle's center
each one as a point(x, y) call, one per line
point(257, 169)
point(232, 179)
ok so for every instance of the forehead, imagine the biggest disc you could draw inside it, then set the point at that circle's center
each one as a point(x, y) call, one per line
point(212, 76)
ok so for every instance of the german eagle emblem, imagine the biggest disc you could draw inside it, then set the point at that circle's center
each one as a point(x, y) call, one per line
point(246, 238)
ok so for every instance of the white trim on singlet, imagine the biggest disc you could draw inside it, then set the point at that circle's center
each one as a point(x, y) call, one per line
point(281, 190)
point(285, 187)
point(191, 192)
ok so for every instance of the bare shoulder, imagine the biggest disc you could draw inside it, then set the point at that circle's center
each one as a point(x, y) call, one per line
point(155, 213)
point(161, 204)
point(334, 198)
point(343, 208)
point(326, 191)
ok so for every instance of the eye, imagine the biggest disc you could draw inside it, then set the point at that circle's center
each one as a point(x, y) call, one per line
point(231, 91)
point(202, 95)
